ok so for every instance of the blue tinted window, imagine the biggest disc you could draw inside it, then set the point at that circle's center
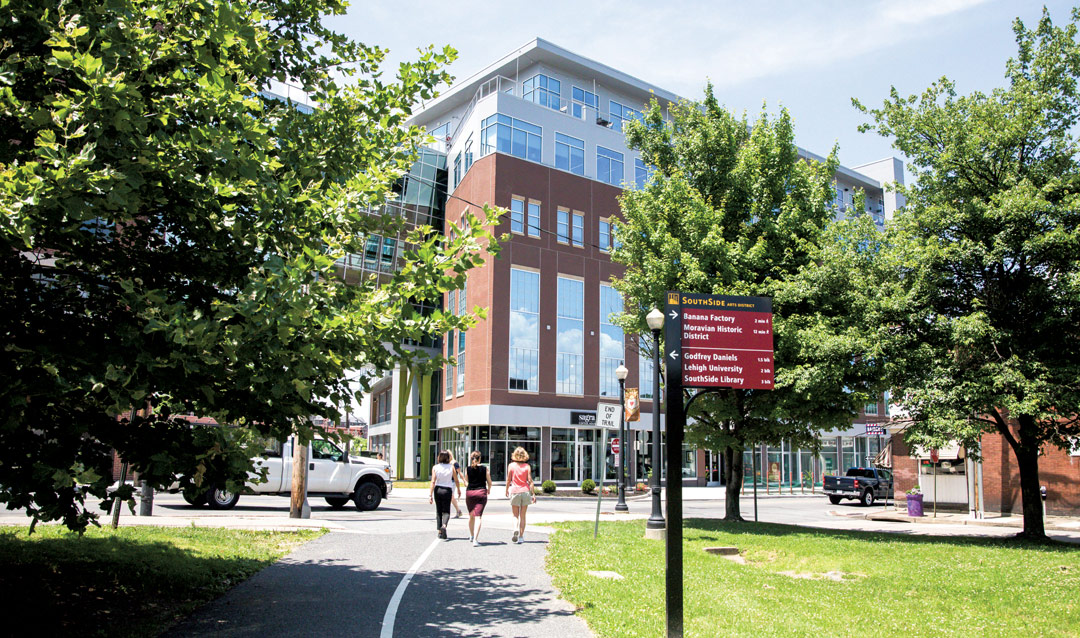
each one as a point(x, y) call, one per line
point(543, 90)
point(609, 166)
point(569, 154)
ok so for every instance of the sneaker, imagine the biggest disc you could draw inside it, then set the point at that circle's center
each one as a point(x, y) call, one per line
point(458, 515)
point(471, 538)
point(475, 543)
point(442, 532)
point(515, 538)
point(521, 539)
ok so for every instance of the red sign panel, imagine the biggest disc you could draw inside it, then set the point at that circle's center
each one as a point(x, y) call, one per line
point(727, 341)
point(615, 445)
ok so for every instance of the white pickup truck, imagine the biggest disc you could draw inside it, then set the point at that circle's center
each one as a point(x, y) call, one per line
point(332, 475)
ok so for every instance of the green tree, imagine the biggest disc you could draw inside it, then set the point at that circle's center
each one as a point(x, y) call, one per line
point(985, 260)
point(170, 232)
point(733, 209)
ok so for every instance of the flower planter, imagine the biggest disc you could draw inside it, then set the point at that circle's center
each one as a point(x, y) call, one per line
point(914, 504)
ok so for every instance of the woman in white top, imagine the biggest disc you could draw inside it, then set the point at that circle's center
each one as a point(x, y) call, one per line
point(444, 479)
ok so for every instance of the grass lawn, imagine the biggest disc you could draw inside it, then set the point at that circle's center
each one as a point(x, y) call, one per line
point(889, 584)
point(411, 485)
point(134, 581)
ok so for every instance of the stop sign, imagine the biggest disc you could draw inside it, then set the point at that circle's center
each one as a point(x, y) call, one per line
point(615, 445)
point(934, 456)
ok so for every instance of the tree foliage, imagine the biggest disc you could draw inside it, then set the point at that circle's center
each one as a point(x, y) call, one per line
point(985, 261)
point(170, 231)
point(733, 209)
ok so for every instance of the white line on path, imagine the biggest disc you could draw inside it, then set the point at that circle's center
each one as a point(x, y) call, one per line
point(391, 609)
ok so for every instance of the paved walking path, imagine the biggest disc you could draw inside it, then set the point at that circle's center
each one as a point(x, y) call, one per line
point(343, 583)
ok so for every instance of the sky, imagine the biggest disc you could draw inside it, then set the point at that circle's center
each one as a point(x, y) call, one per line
point(810, 56)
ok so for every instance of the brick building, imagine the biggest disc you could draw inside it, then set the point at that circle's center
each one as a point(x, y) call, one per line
point(540, 133)
point(991, 484)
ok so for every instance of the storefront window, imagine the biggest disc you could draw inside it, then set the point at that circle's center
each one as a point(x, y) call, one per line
point(497, 443)
point(848, 453)
point(828, 457)
point(689, 461)
point(562, 454)
point(808, 473)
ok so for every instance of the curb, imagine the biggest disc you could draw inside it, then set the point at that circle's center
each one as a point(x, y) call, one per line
point(902, 518)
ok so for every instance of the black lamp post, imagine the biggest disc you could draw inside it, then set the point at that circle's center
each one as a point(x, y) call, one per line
point(655, 527)
point(620, 374)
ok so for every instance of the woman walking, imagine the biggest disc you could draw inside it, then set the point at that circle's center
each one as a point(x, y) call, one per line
point(519, 489)
point(476, 494)
point(443, 480)
point(457, 486)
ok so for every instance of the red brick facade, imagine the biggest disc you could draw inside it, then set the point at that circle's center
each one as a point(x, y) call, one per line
point(1058, 471)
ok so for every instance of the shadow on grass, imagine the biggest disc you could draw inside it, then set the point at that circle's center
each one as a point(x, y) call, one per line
point(115, 586)
point(779, 529)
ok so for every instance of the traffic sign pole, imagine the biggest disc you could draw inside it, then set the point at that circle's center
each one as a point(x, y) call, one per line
point(676, 420)
point(710, 341)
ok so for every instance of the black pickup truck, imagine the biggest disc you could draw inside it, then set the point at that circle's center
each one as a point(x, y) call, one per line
point(864, 483)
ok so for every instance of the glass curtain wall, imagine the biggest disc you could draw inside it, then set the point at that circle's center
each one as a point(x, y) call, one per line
point(570, 349)
point(611, 341)
point(524, 330)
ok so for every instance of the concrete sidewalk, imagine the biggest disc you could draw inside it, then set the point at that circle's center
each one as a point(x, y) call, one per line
point(1057, 523)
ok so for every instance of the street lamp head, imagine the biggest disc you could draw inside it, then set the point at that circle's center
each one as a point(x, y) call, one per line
point(655, 319)
point(621, 372)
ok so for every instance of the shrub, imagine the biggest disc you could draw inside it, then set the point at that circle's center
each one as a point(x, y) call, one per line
point(548, 486)
point(588, 485)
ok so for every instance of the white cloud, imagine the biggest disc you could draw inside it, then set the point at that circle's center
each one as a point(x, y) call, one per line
point(775, 38)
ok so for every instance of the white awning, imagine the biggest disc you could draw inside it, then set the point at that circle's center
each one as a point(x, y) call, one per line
point(945, 453)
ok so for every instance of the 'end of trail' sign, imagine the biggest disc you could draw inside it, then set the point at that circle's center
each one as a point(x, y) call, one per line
point(724, 341)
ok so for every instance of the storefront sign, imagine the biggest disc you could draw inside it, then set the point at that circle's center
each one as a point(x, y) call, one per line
point(726, 341)
point(587, 419)
point(875, 429)
point(608, 414)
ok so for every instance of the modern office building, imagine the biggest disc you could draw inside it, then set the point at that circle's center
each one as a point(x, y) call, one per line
point(540, 133)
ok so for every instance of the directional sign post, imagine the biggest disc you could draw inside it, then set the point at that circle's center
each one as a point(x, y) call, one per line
point(710, 341)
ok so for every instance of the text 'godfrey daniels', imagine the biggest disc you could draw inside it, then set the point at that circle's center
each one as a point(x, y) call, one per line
point(726, 341)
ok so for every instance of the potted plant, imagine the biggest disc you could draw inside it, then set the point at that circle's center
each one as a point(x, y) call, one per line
point(914, 501)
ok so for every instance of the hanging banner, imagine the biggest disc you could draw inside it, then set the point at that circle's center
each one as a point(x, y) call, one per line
point(633, 405)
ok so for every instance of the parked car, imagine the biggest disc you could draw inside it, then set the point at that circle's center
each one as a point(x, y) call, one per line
point(332, 474)
point(867, 484)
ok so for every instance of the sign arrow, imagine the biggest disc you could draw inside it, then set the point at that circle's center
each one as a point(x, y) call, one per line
point(674, 315)
point(674, 355)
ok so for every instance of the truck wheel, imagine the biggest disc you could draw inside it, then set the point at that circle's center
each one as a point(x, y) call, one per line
point(367, 496)
point(868, 497)
point(198, 501)
point(835, 500)
point(337, 502)
point(218, 498)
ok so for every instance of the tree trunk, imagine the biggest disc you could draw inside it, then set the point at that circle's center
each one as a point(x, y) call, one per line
point(299, 479)
point(1027, 460)
point(733, 471)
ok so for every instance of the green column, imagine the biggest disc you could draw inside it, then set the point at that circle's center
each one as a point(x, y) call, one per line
point(404, 390)
point(425, 426)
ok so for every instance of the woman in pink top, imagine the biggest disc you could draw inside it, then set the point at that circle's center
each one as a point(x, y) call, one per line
point(519, 489)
